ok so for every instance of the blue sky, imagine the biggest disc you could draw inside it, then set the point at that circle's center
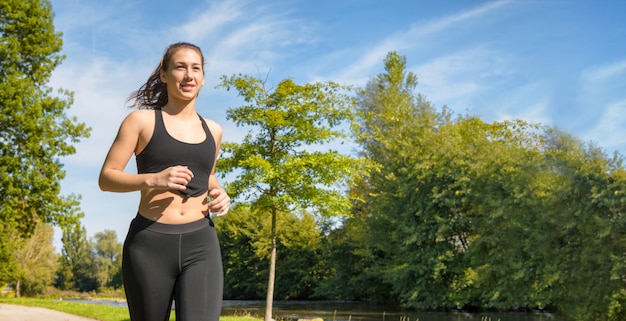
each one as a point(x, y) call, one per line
point(557, 62)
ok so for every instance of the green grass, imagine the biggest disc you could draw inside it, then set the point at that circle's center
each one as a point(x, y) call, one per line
point(94, 311)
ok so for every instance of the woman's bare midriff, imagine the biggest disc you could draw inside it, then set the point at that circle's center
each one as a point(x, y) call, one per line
point(171, 208)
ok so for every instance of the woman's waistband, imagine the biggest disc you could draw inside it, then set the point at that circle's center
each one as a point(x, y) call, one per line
point(155, 226)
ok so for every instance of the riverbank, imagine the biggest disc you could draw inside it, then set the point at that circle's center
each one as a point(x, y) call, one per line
point(114, 310)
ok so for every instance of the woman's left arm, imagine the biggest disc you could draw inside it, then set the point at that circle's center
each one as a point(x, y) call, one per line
point(221, 201)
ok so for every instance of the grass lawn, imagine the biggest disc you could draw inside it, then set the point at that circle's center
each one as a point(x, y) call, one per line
point(94, 311)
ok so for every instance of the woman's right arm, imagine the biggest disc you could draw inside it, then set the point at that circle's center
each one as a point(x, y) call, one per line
point(129, 137)
point(112, 176)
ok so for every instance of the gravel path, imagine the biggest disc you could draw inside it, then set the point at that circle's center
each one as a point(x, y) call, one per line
point(11, 312)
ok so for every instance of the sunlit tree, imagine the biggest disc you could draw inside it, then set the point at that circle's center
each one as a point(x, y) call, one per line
point(283, 164)
point(35, 131)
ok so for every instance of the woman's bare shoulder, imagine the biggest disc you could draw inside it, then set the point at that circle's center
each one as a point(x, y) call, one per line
point(213, 126)
point(140, 117)
point(141, 114)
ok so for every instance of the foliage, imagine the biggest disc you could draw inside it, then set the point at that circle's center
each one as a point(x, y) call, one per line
point(587, 228)
point(282, 161)
point(34, 129)
point(108, 259)
point(77, 268)
point(352, 265)
point(392, 126)
point(459, 213)
point(245, 243)
point(9, 267)
point(245, 272)
point(281, 165)
point(37, 261)
point(89, 265)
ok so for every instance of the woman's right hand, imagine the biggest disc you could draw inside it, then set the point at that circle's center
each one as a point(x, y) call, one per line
point(175, 177)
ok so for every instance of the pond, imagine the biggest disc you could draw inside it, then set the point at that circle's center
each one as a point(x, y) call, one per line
point(351, 311)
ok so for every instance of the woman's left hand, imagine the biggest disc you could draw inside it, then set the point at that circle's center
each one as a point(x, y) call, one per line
point(220, 205)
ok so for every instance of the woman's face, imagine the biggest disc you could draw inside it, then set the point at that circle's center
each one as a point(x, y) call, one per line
point(184, 75)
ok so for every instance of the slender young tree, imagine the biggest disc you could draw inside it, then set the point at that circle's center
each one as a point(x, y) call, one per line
point(284, 163)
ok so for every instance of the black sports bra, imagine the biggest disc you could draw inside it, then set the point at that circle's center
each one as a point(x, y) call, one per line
point(164, 151)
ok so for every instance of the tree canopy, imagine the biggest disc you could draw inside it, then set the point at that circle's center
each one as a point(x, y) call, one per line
point(459, 213)
point(35, 130)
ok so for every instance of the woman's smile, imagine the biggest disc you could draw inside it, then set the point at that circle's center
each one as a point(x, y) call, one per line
point(188, 87)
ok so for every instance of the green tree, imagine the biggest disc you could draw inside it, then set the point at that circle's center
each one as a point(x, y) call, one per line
point(282, 165)
point(462, 213)
point(422, 202)
point(34, 129)
point(245, 271)
point(351, 265)
point(108, 258)
point(9, 270)
point(546, 217)
point(395, 128)
point(36, 260)
point(495, 172)
point(244, 238)
point(77, 267)
point(589, 251)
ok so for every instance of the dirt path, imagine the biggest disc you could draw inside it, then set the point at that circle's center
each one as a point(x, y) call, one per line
point(11, 312)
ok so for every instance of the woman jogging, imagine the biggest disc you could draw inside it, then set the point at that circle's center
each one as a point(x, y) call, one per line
point(171, 251)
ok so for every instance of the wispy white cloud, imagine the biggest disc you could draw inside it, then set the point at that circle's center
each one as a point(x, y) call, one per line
point(210, 23)
point(605, 72)
point(528, 102)
point(534, 112)
point(455, 78)
point(100, 88)
point(235, 36)
point(608, 130)
point(597, 87)
point(421, 29)
point(416, 36)
point(245, 37)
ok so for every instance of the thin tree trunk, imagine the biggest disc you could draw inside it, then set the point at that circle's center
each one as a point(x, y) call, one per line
point(17, 288)
point(270, 287)
point(270, 283)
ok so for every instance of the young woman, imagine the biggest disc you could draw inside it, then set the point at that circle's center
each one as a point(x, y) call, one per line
point(171, 250)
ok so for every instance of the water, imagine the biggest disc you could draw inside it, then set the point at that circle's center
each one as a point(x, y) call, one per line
point(350, 311)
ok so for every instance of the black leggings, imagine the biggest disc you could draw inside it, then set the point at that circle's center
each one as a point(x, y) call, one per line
point(162, 262)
